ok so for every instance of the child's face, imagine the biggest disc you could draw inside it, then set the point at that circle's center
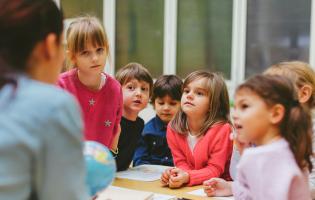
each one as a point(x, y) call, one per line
point(166, 107)
point(135, 95)
point(195, 99)
point(90, 61)
point(251, 117)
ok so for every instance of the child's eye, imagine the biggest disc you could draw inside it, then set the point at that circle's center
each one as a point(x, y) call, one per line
point(144, 89)
point(85, 53)
point(130, 87)
point(244, 106)
point(161, 103)
point(186, 91)
point(200, 93)
point(173, 103)
point(100, 50)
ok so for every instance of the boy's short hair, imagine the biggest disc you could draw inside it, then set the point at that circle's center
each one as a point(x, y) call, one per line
point(170, 85)
point(134, 71)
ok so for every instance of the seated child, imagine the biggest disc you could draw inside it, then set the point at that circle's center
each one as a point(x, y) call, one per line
point(136, 84)
point(153, 147)
point(303, 78)
point(268, 114)
point(198, 135)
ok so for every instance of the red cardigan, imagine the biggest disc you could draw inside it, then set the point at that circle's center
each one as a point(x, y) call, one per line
point(211, 155)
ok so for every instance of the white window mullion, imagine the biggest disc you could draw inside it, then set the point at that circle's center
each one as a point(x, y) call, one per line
point(109, 19)
point(57, 2)
point(238, 42)
point(170, 37)
point(312, 36)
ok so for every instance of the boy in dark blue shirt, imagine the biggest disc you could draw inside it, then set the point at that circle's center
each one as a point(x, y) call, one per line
point(153, 147)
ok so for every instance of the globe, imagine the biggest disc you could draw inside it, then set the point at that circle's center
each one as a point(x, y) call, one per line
point(100, 166)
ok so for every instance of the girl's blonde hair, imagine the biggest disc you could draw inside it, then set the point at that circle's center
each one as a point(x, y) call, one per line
point(300, 73)
point(219, 108)
point(84, 30)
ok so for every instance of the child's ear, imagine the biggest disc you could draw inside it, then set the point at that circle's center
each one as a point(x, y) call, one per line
point(277, 113)
point(305, 93)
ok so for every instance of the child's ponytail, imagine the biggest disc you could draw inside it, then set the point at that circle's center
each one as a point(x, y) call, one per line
point(296, 125)
point(297, 130)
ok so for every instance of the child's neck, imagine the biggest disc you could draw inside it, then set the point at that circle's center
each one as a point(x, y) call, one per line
point(132, 116)
point(90, 82)
point(195, 124)
point(272, 135)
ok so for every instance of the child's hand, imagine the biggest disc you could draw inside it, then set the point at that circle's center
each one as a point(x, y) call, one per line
point(217, 187)
point(178, 178)
point(165, 177)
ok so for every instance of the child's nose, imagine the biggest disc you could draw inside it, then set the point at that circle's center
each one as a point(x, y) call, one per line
point(138, 92)
point(94, 57)
point(166, 107)
point(234, 114)
point(190, 95)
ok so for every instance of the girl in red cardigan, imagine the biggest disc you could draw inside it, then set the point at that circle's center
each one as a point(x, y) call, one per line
point(198, 136)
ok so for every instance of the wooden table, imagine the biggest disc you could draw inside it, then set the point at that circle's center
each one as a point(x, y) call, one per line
point(155, 186)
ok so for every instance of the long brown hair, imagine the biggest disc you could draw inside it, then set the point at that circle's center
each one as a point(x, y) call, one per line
point(296, 125)
point(219, 108)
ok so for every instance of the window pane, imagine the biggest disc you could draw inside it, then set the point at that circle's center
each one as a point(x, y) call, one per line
point(139, 34)
point(204, 36)
point(276, 31)
point(74, 8)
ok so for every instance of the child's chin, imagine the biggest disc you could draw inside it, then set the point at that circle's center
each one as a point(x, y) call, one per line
point(242, 138)
point(165, 120)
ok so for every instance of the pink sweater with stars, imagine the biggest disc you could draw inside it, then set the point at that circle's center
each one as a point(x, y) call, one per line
point(210, 157)
point(102, 109)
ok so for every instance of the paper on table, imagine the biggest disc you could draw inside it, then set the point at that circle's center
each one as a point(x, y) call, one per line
point(200, 192)
point(118, 193)
point(143, 173)
point(163, 197)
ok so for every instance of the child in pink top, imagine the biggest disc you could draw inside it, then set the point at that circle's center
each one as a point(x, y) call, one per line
point(268, 114)
point(198, 136)
point(98, 93)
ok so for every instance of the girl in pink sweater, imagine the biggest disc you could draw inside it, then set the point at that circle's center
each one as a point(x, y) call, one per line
point(268, 114)
point(198, 136)
point(98, 93)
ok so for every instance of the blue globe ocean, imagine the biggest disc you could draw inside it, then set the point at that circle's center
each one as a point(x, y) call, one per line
point(100, 165)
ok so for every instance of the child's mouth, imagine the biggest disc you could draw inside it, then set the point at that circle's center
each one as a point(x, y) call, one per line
point(238, 127)
point(188, 103)
point(137, 101)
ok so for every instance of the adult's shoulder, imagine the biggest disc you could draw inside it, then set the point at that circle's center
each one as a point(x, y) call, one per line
point(39, 108)
point(39, 100)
